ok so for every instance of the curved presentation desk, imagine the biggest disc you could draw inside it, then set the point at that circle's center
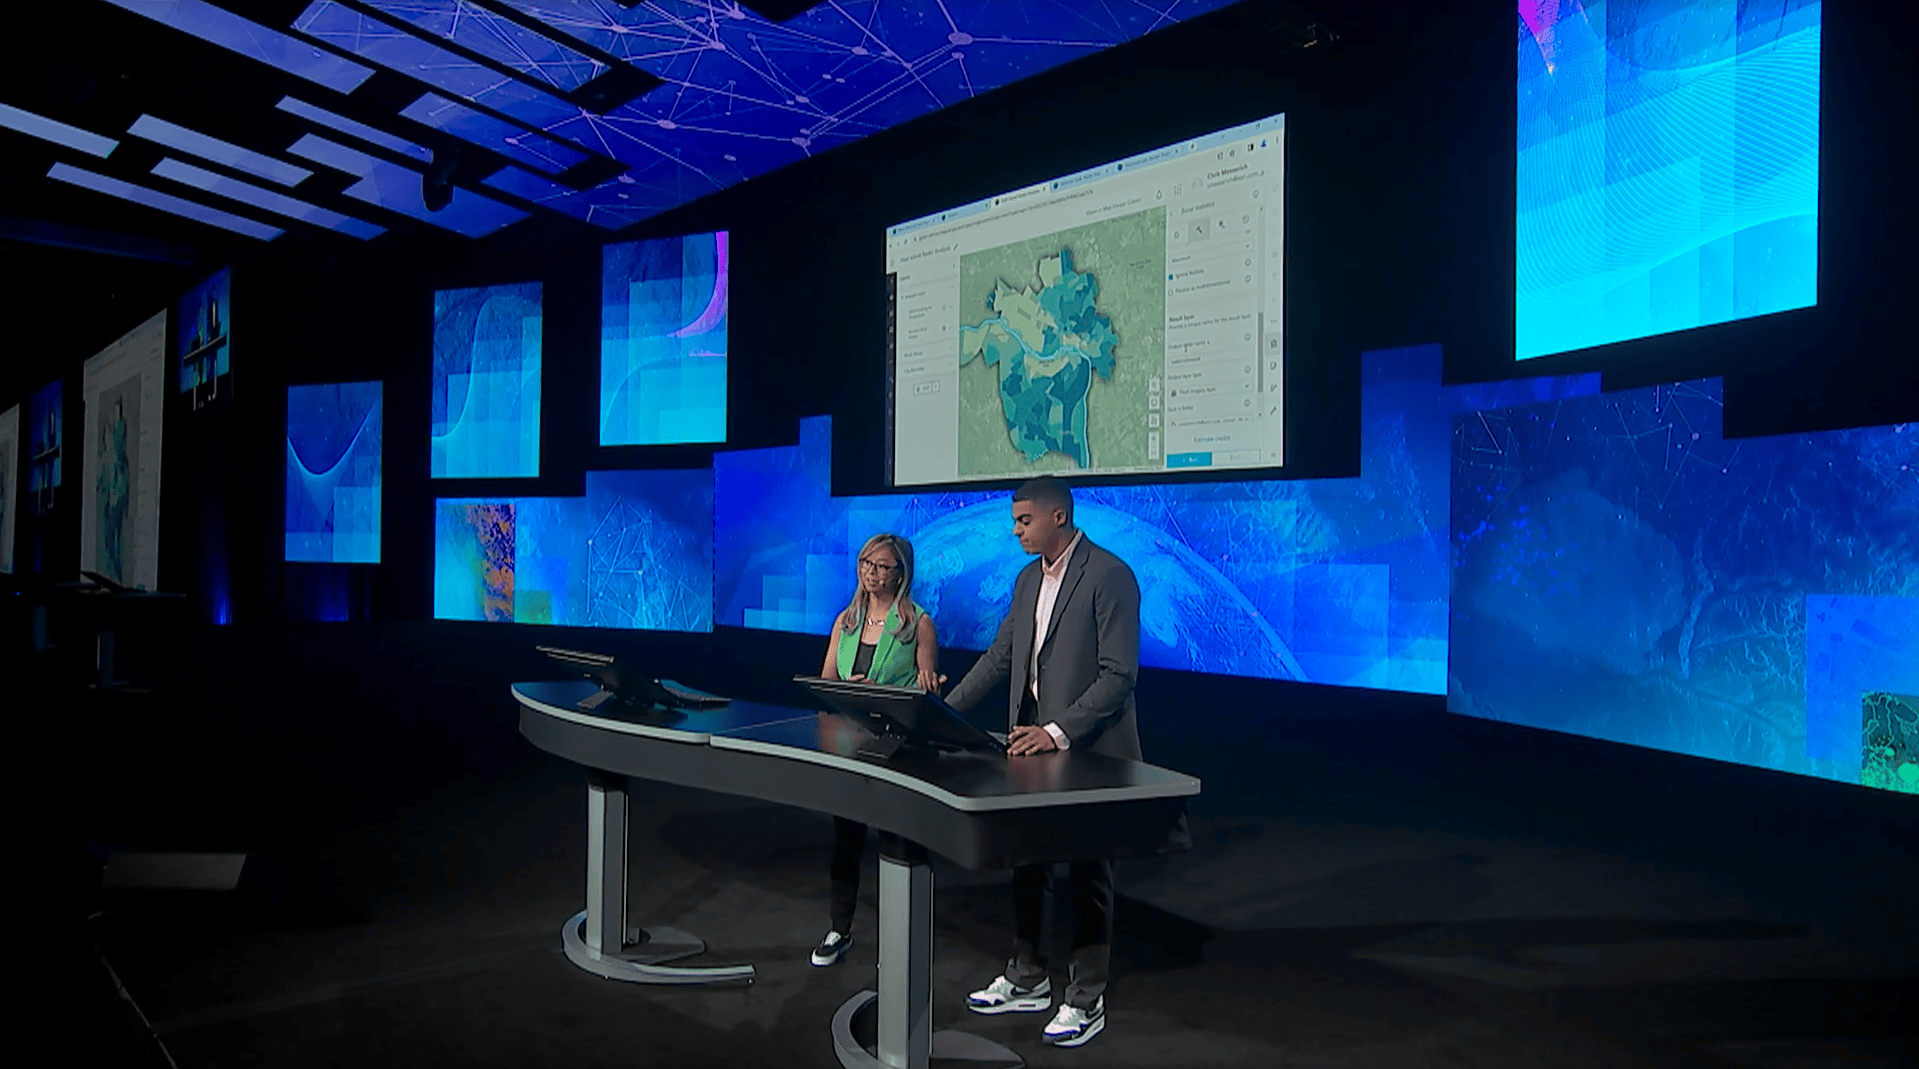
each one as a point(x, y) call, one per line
point(979, 812)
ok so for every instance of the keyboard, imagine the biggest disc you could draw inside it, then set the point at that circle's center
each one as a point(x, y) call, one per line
point(690, 696)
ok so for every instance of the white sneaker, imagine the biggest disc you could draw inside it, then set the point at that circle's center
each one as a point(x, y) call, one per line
point(832, 949)
point(1073, 1026)
point(1003, 996)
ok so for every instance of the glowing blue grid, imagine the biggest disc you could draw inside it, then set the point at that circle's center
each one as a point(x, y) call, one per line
point(486, 382)
point(663, 320)
point(744, 95)
point(165, 202)
point(1668, 171)
point(333, 473)
point(55, 131)
point(275, 49)
point(378, 41)
point(535, 150)
point(161, 132)
point(356, 128)
point(265, 199)
point(497, 38)
point(397, 188)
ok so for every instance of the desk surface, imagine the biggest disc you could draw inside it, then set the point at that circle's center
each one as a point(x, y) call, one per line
point(965, 782)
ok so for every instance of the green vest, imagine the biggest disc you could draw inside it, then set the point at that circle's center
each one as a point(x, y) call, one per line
point(894, 662)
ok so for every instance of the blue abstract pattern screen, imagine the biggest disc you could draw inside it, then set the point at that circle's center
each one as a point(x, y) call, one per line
point(203, 335)
point(486, 382)
point(45, 422)
point(1338, 581)
point(1624, 572)
point(1668, 166)
point(663, 315)
point(333, 473)
point(635, 552)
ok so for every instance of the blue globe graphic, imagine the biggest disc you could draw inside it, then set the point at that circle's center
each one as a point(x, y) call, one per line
point(1191, 616)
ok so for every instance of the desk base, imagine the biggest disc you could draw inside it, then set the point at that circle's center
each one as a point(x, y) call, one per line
point(641, 964)
point(856, 1027)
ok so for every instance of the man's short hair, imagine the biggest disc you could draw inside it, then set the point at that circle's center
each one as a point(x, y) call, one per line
point(1046, 492)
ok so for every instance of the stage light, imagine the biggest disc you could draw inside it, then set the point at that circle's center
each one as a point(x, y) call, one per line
point(165, 202)
point(369, 134)
point(275, 49)
point(55, 131)
point(161, 132)
point(266, 199)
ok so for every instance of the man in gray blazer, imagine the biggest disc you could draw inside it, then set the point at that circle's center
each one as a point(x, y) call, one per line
point(1070, 646)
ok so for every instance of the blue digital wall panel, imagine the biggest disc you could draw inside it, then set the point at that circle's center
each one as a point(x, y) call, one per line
point(486, 382)
point(636, 552)
point(203, 331)
point(333, 473)
point(663, 318)
point(1668, 170)
point(1331, 581)
point(1623, 572)
point(46, 419)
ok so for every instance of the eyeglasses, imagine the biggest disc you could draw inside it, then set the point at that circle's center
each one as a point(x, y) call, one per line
point(875, 566)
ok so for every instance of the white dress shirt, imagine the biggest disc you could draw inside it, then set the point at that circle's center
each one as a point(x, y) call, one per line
point(1051, 575)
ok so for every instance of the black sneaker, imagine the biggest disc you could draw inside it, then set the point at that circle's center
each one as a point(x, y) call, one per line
point(832, 949)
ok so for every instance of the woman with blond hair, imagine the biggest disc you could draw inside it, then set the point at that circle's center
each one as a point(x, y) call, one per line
point(882, 637)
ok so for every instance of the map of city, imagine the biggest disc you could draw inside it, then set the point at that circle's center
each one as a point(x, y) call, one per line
point(1059, 338)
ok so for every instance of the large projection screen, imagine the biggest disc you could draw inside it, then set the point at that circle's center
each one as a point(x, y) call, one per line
point(1124, 320)
point(124, 387)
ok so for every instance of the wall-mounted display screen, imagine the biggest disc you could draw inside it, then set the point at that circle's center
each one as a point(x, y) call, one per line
point(45, 422)
point(1668, 167)
point(9, 483)
point(663, 313)
point(203, 329)
point(125, 390)
point(1127, 319)
point(486, 382)
point(635, 552)
point(333, 473)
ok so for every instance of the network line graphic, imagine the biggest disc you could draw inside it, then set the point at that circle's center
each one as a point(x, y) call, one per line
point(739, 96)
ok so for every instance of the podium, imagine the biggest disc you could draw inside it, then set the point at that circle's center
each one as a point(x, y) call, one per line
point(980, 812)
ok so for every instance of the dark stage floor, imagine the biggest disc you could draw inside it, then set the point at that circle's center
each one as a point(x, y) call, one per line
point(1379, 892)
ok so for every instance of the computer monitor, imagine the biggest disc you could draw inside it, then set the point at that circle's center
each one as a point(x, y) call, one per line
point(629, 685)
point(900, 718)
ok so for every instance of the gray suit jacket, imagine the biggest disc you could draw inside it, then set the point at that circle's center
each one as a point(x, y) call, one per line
point(1088, 663)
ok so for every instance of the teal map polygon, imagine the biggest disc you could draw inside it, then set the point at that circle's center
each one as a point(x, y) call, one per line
point(1059, 338)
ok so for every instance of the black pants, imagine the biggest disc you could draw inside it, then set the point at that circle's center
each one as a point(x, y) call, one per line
point(1089, 886)
point(849, 850)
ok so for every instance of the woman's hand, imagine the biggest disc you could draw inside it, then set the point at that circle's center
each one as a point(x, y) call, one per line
point(931, 682)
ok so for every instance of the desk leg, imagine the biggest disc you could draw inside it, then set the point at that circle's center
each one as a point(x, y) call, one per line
point(893, 1028)
point(637, 953)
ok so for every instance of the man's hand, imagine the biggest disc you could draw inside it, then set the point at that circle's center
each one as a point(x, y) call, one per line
point(1029, 739)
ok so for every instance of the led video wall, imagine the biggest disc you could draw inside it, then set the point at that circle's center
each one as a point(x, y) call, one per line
point(333, 473)
point(124, 390)
point(45, 421)
point(636, 551)
point(663, 317)
point(1668, 170)
point(486, 382)
point(1338, 581)
point(1625, 573)
point(203, 329)
point(9, 483)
